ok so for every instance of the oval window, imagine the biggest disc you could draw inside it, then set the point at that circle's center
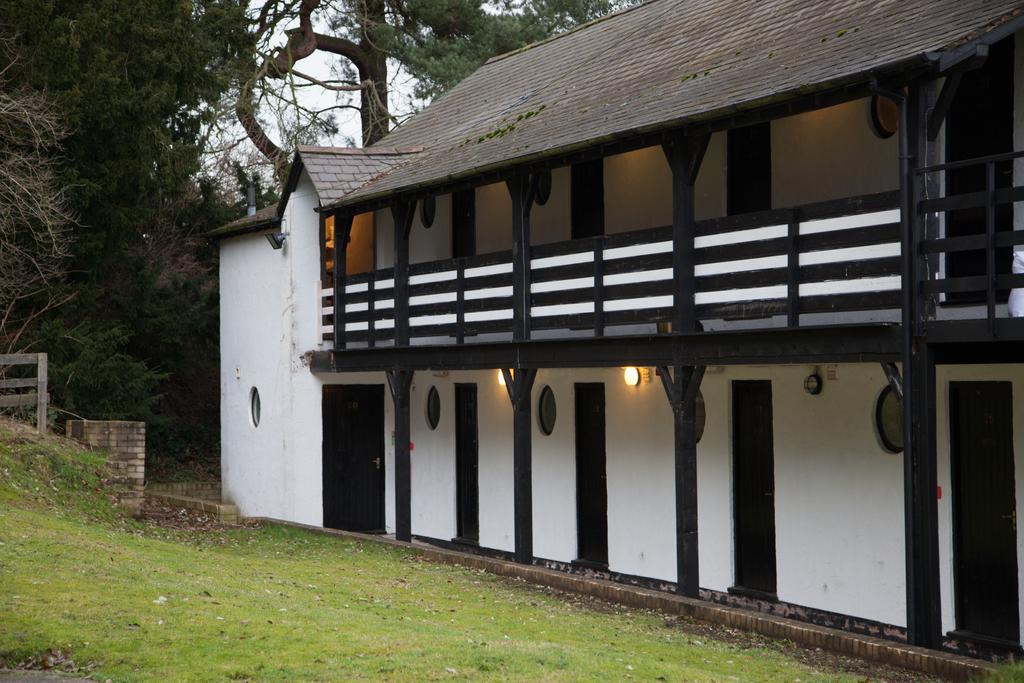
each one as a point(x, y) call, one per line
point(433, 408)
point(889, 420)
point(254, 406)
point(542, 189)
point(885, 116)
point(547, 410)
point(428, 209)
point(700, 416)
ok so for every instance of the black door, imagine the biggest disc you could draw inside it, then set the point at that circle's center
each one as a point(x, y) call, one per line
point(591, 480)
point(353, 460)
point(984, 509)
point(586, 199)
point(754, 485)
point(467, 483)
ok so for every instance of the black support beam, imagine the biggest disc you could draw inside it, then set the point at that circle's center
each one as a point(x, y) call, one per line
point(519, 384)
point(871, 343)
point(682, 383)
point(521, 189)
point(402, 213)
point(920, 480)
point(400, 383)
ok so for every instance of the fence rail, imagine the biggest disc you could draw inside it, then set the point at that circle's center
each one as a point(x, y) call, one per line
point(15, 399)
point(836, 256)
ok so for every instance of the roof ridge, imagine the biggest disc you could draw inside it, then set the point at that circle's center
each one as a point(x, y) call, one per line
point(574, 29)
point(360, 151)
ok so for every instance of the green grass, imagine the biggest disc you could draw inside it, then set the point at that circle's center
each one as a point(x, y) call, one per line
point(131, 603)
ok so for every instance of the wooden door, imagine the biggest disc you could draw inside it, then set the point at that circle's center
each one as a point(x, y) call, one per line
point(353, 457)
point(591, 477)
point(467, 468)
point(984, 509)
point(464, 223)
point(754, 485)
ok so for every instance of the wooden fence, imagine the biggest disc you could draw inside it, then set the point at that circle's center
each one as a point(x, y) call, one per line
point(17, 398)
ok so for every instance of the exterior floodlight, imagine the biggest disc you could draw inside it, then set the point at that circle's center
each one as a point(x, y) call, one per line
point(277, 239)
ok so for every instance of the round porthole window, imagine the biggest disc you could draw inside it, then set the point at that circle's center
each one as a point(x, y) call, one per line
point(542, 188)
point(433, 408)
point(700, 416)
point(889, 420)
point(547, 410)
point(885, 116)
point(428, 209)
point(254, 406)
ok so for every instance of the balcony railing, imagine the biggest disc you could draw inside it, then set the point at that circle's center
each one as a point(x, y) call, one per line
point(774, 266)
point(969, 236)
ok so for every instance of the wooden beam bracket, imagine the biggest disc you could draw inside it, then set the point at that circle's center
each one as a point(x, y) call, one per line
point(892, 373)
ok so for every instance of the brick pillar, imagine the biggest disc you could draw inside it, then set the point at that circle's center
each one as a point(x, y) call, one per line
point(125, 442)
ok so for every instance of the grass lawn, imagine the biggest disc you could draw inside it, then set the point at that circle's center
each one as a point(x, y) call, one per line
point(128, 602)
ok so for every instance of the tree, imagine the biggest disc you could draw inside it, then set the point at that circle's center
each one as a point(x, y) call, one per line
point(34, 215)
point(136, 84)
point(437, 42)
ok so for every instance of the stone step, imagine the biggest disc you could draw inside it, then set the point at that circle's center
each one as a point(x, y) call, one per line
point(224, 512)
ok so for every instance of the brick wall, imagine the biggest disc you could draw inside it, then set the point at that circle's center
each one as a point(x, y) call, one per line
point(126, 444)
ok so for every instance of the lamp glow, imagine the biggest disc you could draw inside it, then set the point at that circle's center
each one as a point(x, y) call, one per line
point(501, 376)
point(631, 376)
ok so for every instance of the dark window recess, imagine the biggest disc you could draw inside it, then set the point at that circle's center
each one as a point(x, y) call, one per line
point(464, 223)
point(980, 123)
point(587, 200)
point(749, 169)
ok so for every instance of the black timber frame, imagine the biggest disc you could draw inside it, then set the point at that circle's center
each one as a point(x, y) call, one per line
point(920, 477)
point(684, 154)
point(519, 384)
point(682, 354)
point(400, 383)
point(870, 343)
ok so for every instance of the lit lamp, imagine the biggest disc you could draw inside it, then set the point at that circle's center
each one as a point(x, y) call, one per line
point(501, 376)
point(631, 376)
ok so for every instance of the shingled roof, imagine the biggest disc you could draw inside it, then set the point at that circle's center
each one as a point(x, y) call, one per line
point(336, 171)
point(265, 218)
point(662, 64)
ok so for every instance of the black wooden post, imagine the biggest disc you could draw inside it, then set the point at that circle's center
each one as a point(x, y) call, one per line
point(599, 286)
point(519, 384)
point(460, 301)
point(520, 187)
point(371, 309)
point(402, 213)
point(400, 382)
point(682, 382)
point(684, 154)
point(920, 479)
point(793, 279)
point(342, 229)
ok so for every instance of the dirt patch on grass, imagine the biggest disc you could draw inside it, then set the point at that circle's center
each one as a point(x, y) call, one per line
point(821, 661)
point(158, 514)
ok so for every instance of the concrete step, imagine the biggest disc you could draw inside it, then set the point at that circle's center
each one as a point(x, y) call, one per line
point(225, 513)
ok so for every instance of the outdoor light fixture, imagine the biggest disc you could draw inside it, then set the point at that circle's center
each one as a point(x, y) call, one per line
point(501, 376)
point(813, 384)
point(631, 376)
point(277, 239)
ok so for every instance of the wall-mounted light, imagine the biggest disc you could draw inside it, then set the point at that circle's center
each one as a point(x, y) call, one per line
point(631, 376)
point(813, 384)
point(501, 376)
point(277, 239)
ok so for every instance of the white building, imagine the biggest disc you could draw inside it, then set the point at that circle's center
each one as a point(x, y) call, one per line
point(647, 312)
